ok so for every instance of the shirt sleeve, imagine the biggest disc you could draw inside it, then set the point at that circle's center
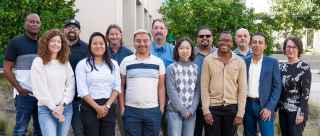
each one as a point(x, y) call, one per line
point(81, 75)
point(242, 89)
point(39, 84)
point(162, 68)
point(123, 67)
point(205, 83)
point(305, 85)
point(10, 52)
point(116, 84)
point(70, 85)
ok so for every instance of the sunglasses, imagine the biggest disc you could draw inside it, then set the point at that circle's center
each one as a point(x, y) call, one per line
point(202, 36)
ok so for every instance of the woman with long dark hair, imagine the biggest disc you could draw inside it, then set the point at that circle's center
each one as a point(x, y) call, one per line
point(98, 83)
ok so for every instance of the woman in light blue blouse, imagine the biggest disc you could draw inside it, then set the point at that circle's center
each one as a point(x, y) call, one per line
point(98, 83)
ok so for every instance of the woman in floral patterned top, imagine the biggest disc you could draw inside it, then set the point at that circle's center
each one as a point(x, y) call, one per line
point(296, 80)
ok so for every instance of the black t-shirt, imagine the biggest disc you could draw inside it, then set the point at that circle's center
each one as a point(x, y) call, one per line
point(78, 52)
point(20, 45)
point(22, 50)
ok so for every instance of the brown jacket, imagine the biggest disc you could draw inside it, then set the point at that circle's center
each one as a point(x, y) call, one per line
point(223, 84)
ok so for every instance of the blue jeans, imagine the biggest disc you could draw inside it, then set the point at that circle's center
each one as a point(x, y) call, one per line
point(142, 122)
point(177, 126)
point(76, 120)
point(252, 117)
point(26, 106)
point(50, 125)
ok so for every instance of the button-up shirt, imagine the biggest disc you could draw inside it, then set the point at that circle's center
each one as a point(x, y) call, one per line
point(254, 79)
point(165, 52)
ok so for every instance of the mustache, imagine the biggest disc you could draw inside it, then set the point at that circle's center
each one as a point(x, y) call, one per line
point(159, 35)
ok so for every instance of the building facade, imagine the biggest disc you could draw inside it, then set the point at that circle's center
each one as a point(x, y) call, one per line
point(130, 15)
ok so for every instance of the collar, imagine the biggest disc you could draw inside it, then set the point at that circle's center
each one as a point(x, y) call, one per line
point(238, 51)
point(215, 54)
point(25, 35)
point(110, 49)
point(157, 48)
point(136, 58)
point(259, 62)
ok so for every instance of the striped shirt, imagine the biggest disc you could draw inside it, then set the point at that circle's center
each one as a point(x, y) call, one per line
point(142, 77)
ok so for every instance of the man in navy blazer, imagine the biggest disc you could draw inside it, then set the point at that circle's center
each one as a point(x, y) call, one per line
point(264, 89)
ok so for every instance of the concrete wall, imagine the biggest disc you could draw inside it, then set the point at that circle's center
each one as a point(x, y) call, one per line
point(97, 15)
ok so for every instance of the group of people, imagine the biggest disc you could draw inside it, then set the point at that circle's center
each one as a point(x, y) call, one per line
point(60, 82)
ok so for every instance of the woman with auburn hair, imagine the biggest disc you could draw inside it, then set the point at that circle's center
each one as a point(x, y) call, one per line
point(52, 82)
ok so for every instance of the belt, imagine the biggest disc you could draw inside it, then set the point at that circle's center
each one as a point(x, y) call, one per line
point(253, 99)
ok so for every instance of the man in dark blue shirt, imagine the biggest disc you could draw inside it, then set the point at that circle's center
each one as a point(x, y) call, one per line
point(116, 47)
point(78, 51)
point(118, 52)
point(204, 48)
point(19, 55)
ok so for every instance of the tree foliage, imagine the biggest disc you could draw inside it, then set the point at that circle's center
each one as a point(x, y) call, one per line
point(292, 16)
point(185, 16)
point(53, 13)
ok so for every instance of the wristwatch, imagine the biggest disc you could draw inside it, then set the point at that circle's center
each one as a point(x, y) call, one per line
point(108, 106)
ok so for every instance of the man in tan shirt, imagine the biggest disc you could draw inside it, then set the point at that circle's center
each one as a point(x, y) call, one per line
point(223, 89)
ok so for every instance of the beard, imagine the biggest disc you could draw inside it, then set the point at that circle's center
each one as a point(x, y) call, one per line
point(72, 36)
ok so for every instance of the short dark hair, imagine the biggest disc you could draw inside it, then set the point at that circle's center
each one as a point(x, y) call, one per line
point(178, 44)
point(297, 41)
point(260, 34)
point(204, 27)
point(158, 20)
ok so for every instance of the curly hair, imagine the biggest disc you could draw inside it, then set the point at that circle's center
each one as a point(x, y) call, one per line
point(43, 50)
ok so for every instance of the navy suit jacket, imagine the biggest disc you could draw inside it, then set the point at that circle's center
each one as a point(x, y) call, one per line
point(270, 82)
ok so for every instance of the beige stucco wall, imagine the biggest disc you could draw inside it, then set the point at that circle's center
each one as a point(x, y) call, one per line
point(97, 15)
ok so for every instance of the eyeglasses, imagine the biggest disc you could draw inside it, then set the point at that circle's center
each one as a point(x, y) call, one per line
point(291, 47)
point(202, 36)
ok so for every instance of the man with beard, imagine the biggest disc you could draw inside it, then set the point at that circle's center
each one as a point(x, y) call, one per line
point(19, 55)
point(204, 48)
point(78, 51)
point(160, 47)
point(243, 40)
point(223, 89)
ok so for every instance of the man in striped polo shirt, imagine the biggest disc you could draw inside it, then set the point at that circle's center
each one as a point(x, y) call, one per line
point(142, 80)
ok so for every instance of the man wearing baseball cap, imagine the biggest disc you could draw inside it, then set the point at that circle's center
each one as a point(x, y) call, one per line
point(79, 50)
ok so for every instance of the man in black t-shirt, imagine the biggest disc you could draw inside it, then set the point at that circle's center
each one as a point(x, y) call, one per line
point(19, 55)
point(79, 50)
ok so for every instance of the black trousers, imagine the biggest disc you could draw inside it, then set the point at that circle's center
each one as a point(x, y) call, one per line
point(223, 124)
point(98, 127)
point(288, 124)
point(199, 122)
